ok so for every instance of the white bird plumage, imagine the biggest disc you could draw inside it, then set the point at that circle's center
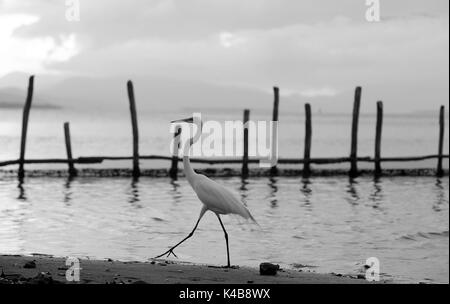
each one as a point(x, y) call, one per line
point(214, 196)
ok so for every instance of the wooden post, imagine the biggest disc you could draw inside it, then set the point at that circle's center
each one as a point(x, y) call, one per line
point(354, 144)
point(276, 93)
point(245, 156)
point(72, 170)
point(26, 114)
point(379, 129)
point(308, 136)
point(136, 171)
point(440, 171)
point(173, 172)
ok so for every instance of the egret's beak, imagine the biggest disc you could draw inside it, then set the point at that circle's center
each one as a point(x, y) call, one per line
point(188, 120)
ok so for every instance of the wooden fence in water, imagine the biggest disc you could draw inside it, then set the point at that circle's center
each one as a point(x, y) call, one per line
point(307, 160)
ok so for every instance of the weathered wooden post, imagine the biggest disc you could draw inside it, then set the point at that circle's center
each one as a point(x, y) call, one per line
point(379, 129)
point(276, 101)
point(72, 170)
point(245, 155)
point(173, 172)
point(136, 171)
point(354, 143)
point(26, 114)
point(308, 136)
point(440, 171)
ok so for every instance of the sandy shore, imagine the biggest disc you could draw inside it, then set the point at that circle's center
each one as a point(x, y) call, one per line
point(49, 269)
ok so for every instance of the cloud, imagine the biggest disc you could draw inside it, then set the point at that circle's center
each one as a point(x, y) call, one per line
point(309, 49)
point(32, 54)
point(114, 21)
point(338, 53)
point(228, 40)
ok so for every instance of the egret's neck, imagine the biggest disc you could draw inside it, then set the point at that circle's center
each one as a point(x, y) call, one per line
point(188, 171)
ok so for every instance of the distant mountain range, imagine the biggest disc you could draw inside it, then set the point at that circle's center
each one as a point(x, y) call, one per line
point(14, 98)
point(152, 93)
point(185, 96)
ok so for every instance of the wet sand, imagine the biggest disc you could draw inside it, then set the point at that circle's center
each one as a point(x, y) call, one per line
point(41, 269)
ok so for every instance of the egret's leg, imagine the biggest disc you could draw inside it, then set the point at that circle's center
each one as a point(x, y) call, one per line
point(170, 251)
point(226, 239)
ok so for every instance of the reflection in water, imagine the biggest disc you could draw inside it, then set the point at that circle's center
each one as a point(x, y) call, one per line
point(306, 190)
point(67, 190)
point(22, 195)
point(377, 195)
point(243, 188)
point(134, 194)
point(440, 196)
point(351, 189)
point(175, 191)
point(273, 192)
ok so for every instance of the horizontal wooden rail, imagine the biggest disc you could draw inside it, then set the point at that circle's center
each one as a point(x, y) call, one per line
point(238, 160)
point(410, 158)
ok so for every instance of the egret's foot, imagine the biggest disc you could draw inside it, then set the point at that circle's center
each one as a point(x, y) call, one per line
point(168, 252)
point(171, 252)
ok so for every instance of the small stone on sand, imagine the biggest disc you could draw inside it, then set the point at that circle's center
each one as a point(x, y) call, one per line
point(30, 265)
point(268, 269)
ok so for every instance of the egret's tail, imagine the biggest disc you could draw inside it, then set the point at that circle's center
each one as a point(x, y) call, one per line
point(248, 216)
point(253, 219)
point(247, 222)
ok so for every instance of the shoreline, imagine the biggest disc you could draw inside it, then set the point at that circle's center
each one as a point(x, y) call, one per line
point(45, 269)
point(223, 172)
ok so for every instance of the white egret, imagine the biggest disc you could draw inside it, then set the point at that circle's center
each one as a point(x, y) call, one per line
point(214, 196)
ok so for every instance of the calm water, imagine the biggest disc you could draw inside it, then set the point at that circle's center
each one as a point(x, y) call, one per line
point(330, 224)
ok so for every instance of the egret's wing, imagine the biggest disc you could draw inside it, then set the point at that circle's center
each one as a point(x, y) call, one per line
point(218, 198)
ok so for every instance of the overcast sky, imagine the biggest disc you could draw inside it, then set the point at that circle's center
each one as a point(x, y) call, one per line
point(313, 49)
